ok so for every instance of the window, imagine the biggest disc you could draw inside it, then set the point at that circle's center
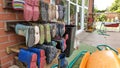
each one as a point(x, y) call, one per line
point(76, 12)
point(85, 18)
point(80, 2)
point(73, 1)
point(72, 14)
point(79, 19)
point(86, 3)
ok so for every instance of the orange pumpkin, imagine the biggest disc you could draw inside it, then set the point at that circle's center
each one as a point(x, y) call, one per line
point(118, 49)
point(108, 58)
point(84, 60)
point(103, 59)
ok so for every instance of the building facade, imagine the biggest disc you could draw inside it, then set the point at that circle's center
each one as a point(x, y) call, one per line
point(74, 16)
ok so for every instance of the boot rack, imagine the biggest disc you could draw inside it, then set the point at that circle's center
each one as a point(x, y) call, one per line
point(10, 26)
point(16, 49)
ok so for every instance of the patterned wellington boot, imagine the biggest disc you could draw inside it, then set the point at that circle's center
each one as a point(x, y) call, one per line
point(42, 36)
point(43, 11)
point(57, 14)
point(47, 33)
point(36, 10)
point(50, 52)
point(28, 10)
point(53, 29)
point(60, 11)
point(28, 32)
point(49, 12)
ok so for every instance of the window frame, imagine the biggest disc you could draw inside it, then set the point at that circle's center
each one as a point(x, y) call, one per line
point(83, 7)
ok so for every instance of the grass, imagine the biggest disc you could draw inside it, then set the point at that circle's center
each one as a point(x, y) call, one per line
point(76, 52)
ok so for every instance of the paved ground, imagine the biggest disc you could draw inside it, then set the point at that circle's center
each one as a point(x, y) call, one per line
point(95, 39)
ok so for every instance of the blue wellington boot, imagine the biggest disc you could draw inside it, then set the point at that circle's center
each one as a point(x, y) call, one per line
point(28, 58)
point(61, 60)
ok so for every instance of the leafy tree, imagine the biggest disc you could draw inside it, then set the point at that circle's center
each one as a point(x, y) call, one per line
point(115, 6)
point(102, 17)
point(95, 10)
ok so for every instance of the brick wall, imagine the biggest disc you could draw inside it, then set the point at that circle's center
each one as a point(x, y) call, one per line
point(8, 38)
point(111, 15)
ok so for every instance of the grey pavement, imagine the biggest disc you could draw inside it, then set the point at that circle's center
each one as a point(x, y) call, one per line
point(95, 39)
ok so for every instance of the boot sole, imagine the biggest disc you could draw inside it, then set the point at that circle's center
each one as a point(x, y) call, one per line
point(31, 37)
point(33, 61)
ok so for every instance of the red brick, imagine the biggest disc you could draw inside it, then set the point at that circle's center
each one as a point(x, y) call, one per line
point(16, 37)
point(1, 1)
point(21, 39)
point(3, 39)
point(1, 9)
point(13, 37)
point(1, 24)
point(3, 53)
point(6, 65)
point(6, 59)
point(3, 32)
point(4, 45)
point(8, 16)
point(20, 16)
point(10, 11)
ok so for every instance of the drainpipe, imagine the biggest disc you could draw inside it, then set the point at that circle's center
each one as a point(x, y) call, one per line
point(90, 16)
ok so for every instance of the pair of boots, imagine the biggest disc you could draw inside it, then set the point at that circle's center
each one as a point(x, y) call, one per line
point(55, 12)
point(50, 52)
point(44, 32)
point(31, 33)
point(49, 12)
point(34, 34)
point(31, 10)
point(61, 44)
point(33, 57)
point(52, 31)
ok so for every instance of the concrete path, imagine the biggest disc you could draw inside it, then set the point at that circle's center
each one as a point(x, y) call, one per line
point(95, 39)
